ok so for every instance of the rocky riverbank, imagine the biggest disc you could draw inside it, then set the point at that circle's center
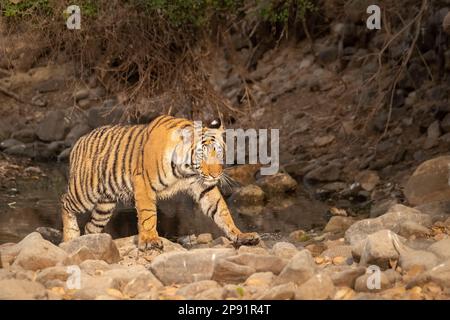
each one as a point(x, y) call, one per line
point(408, 249)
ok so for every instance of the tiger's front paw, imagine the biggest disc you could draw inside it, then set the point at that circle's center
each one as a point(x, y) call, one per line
point(149, 244)
point(250, 239)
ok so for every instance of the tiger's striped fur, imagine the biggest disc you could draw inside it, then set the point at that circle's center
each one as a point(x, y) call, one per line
point(114, 163)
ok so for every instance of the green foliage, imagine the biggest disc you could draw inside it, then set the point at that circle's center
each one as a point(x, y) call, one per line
point(280, 11)
point(24, 7)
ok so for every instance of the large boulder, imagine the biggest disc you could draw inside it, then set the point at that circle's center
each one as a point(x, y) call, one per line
point(92, 246)
point(299, 269)
point(189, 266)
point(429, 182)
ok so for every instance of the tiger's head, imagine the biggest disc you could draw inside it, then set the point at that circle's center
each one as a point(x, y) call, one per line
point(203, 152)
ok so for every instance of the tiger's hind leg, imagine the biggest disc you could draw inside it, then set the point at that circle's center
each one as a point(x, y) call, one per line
point(100, 217)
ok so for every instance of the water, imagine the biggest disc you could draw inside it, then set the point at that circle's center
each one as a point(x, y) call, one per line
point(33, 202)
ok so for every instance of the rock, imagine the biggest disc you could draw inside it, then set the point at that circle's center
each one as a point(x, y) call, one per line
point(226, 271)
point(429, 182)
point(94, 267)
point(318, 287)
point(344, 276)
point(368, 179)
point(204, 238)
point(327, 55)
point(9, 251)
point(410, 259)
point(211, 294)
point(259, 262)
point(39, 254)
point(381, 207)
point(192, 289)
point(299, 269)
point(142, 283)
point(244, 174)
point(338, 224)
point(330, 172)
point(441, 249)
point(128, 246)
point(299, 235)
point(197, 264)
point(49, 85)
point(439, 274)
point(25, 135)
point(411, 228)
point(433, 134)
point(366, 284)
point(36, 150)
point(81, 94)
point(284, 250)
point(91, 246)
point(392, 276)
point(64, 155)
point(13, 289)
point(53, 276)
point(277, 184)
point(323, 141)
point(338, 251)
point(260, 279)
point(281, 292)
point(445, 123)
point(100, 116)
point(446, 23)
point(379, 249)
point(390, 220)
point(50, 234)
point(77, 132)
point(248, 195)
point(52, 127)
point(252, 250)
point(6, 144)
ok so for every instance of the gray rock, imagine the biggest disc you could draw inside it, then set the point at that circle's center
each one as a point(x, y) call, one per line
point(299, 269)
point(52, 127)
point(91, 246)
point(13, 289)
point(226, 271)
point(248, 195)
point(100, 116)
point(392, 276)
point(277, 184)
point(441, 249)
point(211, 294)
point(94, 267)
point(284, 250)
point(189, 266)
point(338, 224)
point(338, 251)
point(192, 289)
point(9, 143)
point(318, 287)
point(327, 55)
point(445, 123)
point(433, 134)
point(77, 132)
point(64, 155)
point(381, 207)
point(81, 94)
point(390, 220)
point(9, 251)
point(25, 135)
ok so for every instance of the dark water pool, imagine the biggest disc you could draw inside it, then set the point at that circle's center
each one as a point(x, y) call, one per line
point(34, 202)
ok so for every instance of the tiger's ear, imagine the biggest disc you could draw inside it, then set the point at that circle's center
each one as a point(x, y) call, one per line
point(215, 124)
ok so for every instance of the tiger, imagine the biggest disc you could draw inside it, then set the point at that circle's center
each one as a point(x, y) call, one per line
point(147, 163)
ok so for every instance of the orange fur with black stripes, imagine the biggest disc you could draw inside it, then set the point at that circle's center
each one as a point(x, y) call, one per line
point(147, 163)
